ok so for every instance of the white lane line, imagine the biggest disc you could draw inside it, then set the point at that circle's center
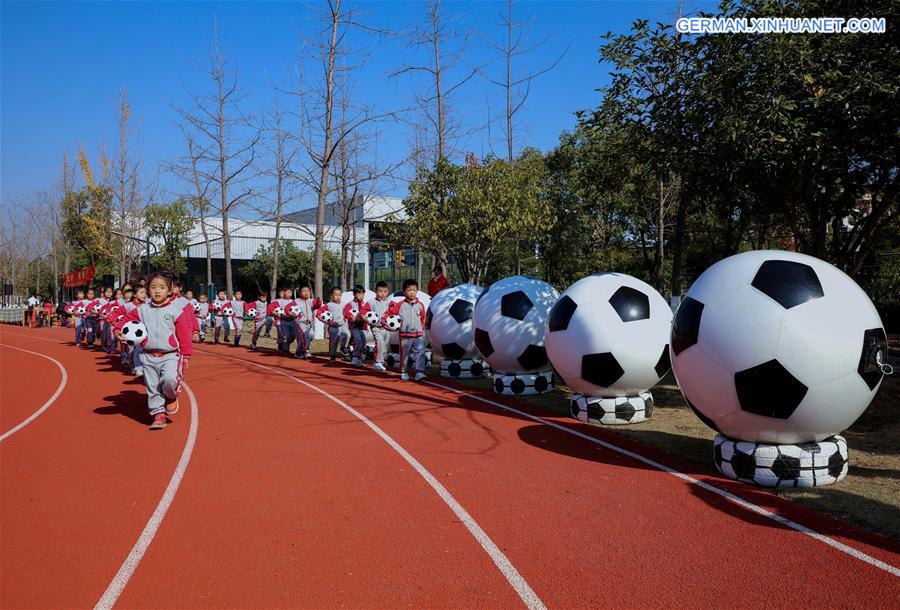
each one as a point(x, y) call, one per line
point(46, 405)
point(840, 546)
point(516, 580)
point(120, 580)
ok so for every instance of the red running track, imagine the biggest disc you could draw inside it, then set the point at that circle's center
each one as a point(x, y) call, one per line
point(290, 500)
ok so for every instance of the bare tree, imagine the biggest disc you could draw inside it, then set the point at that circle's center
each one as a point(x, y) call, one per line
point(281, 147)
point(227, 142)
point(127, 191)
point(436, 37)
point(516, 87)
point(320, 134)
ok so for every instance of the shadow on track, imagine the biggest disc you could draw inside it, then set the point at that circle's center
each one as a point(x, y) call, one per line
point(129, 403)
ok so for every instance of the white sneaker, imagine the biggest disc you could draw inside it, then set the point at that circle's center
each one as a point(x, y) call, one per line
point(420, 376)
point(356, 362)
point(139, 373)
point(379, 367)
point(404, 377)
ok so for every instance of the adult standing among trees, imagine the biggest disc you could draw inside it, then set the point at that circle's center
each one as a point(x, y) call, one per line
point(437, 282)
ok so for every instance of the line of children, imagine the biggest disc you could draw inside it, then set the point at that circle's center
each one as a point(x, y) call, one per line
point(174, 321)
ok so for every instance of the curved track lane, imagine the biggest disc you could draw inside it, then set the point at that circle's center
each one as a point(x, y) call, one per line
point(26, 376)
point(77, 487)
point(292, 501)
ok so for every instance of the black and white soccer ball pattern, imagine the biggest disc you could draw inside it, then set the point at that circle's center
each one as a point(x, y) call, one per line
point(777, 347)
point(612, 411)
point(510, 320)
point(807, 465)
point(392, 360)
point(135, 332)
point(608, 335)
point(523, 385)
point(448, 322)
point(473, 368)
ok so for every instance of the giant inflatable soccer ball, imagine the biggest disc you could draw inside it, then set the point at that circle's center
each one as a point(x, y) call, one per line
point(608, 335)
point(448, 323)
point(777, 347)
point(510, 319)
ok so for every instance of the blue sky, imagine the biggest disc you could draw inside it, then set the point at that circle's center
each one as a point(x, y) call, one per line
point(62, 63)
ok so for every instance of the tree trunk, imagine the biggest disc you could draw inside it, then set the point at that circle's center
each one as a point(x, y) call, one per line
point(223, 184)
point(659, 259)
point(326, 156)
point(678, 246)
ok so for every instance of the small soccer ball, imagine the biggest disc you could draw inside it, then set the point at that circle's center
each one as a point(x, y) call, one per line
point(294, 310)
point(393, 323)
point(227, 311)
point(135, 332)
point(278, 311)
point(196, 307)
point(777, 347)
point(448, 323)
point(69, 308)
point(510, 319)
point(608, 335)
point(326, 317)
point(253, 312)
point(371, 318)
point(80, 310)
point(354, 314)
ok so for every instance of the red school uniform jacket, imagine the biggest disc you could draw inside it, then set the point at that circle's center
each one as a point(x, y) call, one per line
point(169, 326)
point(412, 314)
point(360, 321)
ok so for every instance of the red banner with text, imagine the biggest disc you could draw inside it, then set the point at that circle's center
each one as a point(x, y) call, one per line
point(78, 278)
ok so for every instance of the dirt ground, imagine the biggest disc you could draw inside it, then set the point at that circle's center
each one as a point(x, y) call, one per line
point(868, 497)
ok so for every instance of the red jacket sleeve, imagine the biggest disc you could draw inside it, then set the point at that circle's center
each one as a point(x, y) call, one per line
point(131, 316)
point(347, 309)
point(423, 313)
point(392, 309)
point(184, 328)
point(322, 309)
point(270, 310)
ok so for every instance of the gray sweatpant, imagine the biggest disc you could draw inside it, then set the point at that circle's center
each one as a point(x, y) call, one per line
point(337, 339)
point(382, 344)
point(162, 376)
point(412, 347)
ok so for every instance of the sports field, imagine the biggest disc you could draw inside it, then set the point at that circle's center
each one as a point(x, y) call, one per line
point(287, 483)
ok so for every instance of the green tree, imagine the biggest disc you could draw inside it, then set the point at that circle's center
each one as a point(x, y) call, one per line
point(294, 266)
point(170, 224)
point(473, 213)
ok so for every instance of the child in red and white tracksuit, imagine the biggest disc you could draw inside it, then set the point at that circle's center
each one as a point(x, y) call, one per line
point(354, 313)
point(284, 322)
point(201, 314)
point(237, 319)
point(382, 337)
point(308, 306)
point(261, 304)
point(337, 328)
point(412, 329)
point(170, 324)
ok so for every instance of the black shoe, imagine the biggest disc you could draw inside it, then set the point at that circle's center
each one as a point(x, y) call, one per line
point(332, 359)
